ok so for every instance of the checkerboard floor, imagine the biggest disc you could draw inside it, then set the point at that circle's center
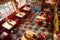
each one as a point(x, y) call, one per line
point(31, 26)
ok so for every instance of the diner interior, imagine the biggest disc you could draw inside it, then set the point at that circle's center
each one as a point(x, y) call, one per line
point(29, 19)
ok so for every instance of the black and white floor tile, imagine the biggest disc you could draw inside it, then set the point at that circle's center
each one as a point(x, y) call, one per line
point(21, 30)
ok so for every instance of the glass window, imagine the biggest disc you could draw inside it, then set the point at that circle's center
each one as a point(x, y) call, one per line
point(11, 8)
point(6, 5)
point(21, 3)
point(9, 3)
point(2, 11)
point(1, 7)
point(6, 9)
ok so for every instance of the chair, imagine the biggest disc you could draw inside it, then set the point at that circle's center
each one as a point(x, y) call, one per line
point(5, 36)
point(42, 37)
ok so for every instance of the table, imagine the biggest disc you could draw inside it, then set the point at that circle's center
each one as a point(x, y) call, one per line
point(21, 14)
point(29, 34)
point(41, 17)
point(27, 8)
point(9, 24)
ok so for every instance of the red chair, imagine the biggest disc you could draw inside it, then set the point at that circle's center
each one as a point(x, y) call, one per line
point(58, 33)
point(5, 36)
point(42, 37)
point(37, 22)
point(49, 18)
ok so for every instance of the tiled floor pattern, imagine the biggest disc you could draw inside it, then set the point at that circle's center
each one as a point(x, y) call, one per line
point(30, 26)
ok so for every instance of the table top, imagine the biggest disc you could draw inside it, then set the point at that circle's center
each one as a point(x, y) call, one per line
point(21, 14)
point(27, 8)
point(9, 25)
point(29, 34)
point(41, 17)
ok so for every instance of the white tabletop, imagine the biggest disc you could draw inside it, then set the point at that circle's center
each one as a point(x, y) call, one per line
point(41, 17)
point(29, 34)
point(26, 8)
point(21, 14)
point(8, 26)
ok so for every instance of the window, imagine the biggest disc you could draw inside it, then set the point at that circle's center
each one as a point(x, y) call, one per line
point(6, 9)
point(11, 8)
point(1, 7)
point(9, 3)
point(21, 3)
point(2, 11)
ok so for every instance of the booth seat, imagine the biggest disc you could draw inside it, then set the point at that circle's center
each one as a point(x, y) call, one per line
point(2, 29)
point(18, 21)
point(12, 16)
point(1, 22)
